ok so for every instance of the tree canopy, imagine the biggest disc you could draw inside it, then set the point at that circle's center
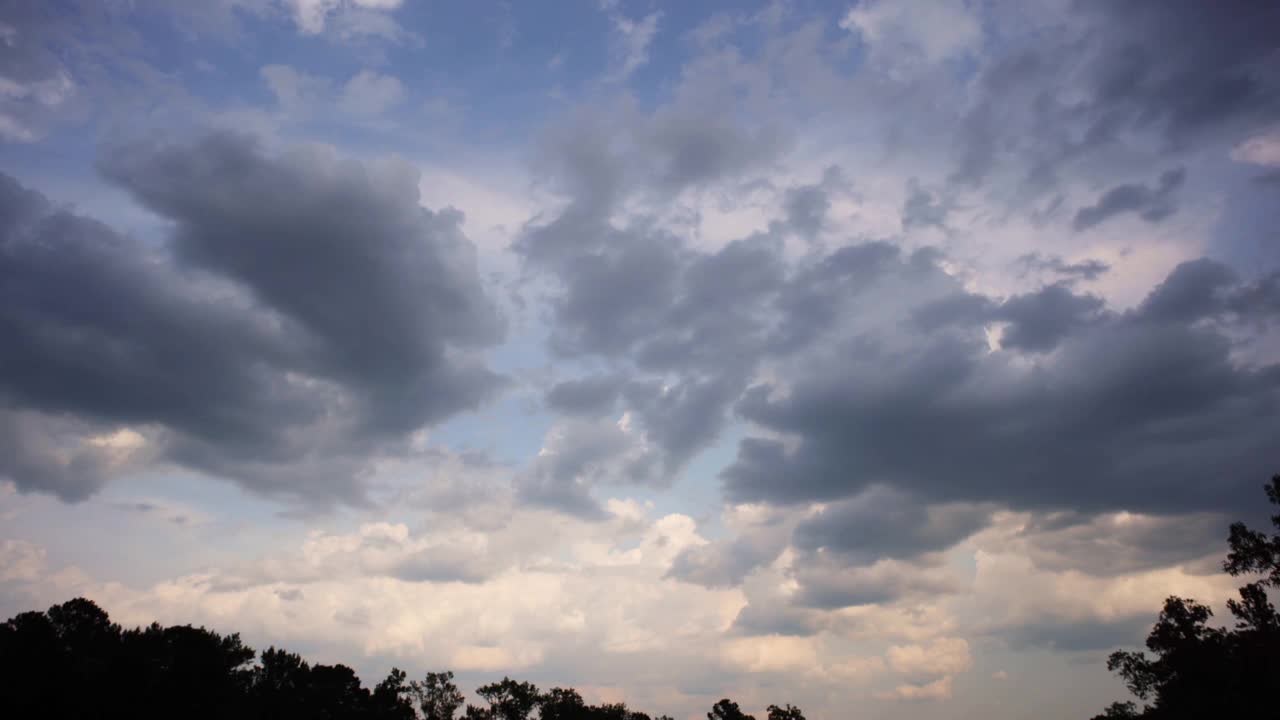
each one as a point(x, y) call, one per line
point(1198, 670)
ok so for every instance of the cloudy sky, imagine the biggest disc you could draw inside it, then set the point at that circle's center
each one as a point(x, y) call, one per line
point(897, 355)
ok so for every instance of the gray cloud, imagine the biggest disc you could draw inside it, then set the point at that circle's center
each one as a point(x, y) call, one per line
point(1206, 289)
point(924, 208)
point(1131, 411)
point(1178, 75)
point(1039, 321)
point(291, 287)
point(691, 149)
point(1116, 544)
point(1079, 636)
point(827, 582)
point(590, 395)
point(777, 618)
point(882, 523)
point(807, 207)
point(1152, 204)
point(1084, 270)
point(726, 565)
point(1035, 321)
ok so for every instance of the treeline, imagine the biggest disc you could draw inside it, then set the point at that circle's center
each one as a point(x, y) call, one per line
point(71, 661)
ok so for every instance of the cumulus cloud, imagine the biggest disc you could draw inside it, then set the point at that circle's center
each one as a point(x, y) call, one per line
point(880, 523)
point(1126, 90)
point(760, 534)
point(898, 32)
point(939, 689)
point(234, 343)
point(1118, 400)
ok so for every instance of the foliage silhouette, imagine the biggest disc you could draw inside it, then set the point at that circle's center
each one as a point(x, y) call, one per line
point(1202, 671)
point(508, 699)
point(727, 709)
point(73, 662)
point(787, 712)
point(437, 696)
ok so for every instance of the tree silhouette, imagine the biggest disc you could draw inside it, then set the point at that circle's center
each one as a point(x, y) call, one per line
point(1200, 671)
point(508, 699)
point(562, 704)
point(437, 696)
point(393, 698)
point(72, 662)
point(727, 709)
point(787, 712)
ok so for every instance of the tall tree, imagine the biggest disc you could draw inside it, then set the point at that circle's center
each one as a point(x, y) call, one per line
point(727, 709)
point(437, 695)
point(1196, 670)
point(508, 699)
point(392, 697)
point(561, 704)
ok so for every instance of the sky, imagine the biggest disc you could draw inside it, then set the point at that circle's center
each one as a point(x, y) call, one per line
point(899, 356)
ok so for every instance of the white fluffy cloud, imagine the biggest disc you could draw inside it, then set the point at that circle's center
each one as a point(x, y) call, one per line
point(902, 32)
point(311, 15)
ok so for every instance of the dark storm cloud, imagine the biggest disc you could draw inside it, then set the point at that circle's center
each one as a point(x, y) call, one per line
point(1035, 321)
point(811, 302)
point(1176, 74)
point(382, 287)
point(1183, 67)
point(304, 314)
point(1152, 204)
point(1120, 543)
point(684, 417)
point(1206, 288)
point(960, 308)
point(1130, 411)
point(882, 523)
point(1039, 320)
point(777, 618)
